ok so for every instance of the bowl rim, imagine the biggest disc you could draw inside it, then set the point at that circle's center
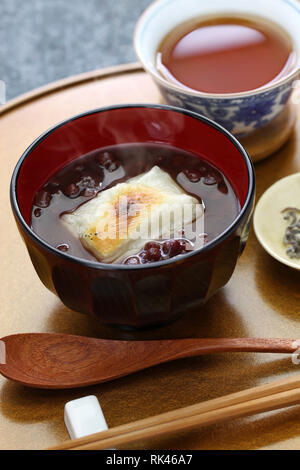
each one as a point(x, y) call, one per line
point(201, 94)
point(109, 266)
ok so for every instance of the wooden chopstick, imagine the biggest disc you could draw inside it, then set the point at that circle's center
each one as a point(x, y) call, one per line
point(275, 395)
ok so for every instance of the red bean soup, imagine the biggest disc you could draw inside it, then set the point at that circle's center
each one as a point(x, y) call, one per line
point(87, 176)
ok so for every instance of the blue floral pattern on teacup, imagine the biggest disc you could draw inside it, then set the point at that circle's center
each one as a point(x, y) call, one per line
point(239, 115)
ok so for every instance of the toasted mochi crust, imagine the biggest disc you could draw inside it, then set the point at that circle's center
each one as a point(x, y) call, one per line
point(120, 220)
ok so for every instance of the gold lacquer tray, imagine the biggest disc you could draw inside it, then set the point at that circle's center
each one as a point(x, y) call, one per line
point(261, 300)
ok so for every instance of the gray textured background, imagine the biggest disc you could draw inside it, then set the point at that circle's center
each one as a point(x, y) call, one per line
point(45, 40)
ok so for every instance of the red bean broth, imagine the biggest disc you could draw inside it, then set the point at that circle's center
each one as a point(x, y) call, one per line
point(84, 178)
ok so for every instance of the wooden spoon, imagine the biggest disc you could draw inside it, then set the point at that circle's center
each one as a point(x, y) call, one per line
point(65, 361)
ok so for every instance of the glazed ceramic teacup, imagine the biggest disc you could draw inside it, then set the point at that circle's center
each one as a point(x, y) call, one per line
point(240, 113)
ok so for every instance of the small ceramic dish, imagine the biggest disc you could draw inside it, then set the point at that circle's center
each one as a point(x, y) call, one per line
point(240, 113)
point(269, 221)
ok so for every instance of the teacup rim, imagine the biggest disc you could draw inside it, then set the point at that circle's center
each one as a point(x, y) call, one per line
point(113, 267)
point(200, 94)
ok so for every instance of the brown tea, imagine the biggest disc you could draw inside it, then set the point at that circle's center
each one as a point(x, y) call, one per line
point(225, 55)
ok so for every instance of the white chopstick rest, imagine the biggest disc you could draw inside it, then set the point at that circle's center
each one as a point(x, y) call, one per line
point(84, 416)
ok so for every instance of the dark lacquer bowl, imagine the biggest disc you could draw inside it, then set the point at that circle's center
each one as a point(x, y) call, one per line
point(144, 295)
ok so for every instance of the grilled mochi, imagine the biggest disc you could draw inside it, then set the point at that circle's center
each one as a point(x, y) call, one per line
point(120, 220)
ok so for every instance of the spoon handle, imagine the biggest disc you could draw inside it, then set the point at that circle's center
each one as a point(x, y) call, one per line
point(198, 346)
